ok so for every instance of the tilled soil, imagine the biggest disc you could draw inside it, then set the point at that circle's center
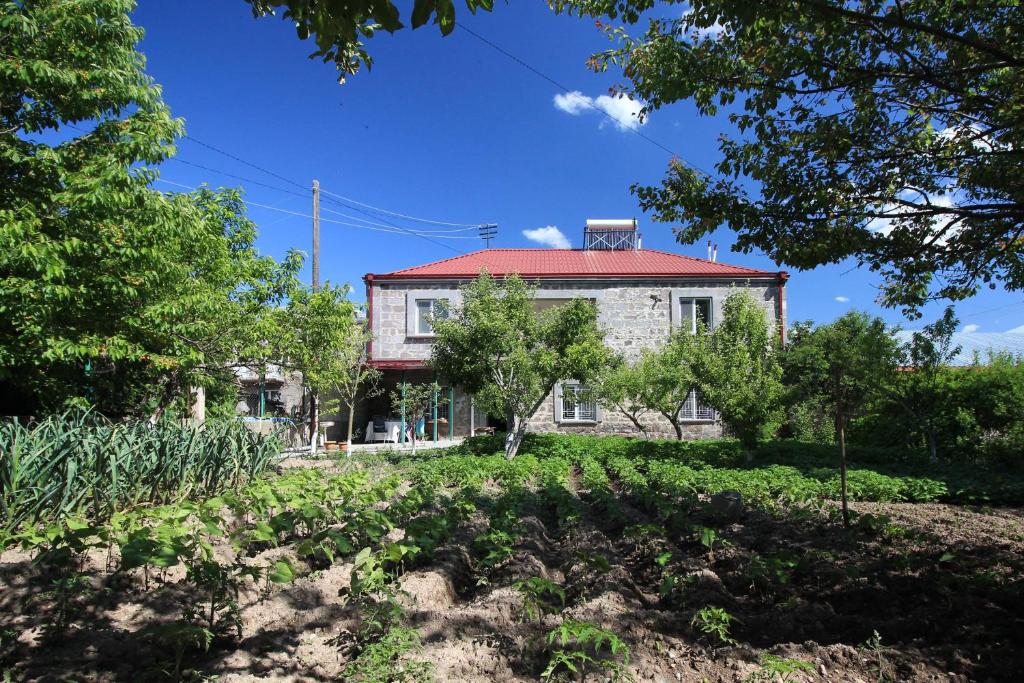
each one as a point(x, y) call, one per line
point(913, 593)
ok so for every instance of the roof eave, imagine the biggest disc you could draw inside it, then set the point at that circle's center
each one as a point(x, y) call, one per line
point(758, 275)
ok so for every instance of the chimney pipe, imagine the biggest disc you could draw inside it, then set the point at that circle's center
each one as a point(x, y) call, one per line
point(709, 250)
point(714, 255)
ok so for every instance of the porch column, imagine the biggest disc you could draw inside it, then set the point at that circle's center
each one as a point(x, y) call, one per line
point(451, 412)
point(435, 408)
point(401, 429)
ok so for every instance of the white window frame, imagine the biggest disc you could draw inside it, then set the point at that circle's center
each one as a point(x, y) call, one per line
point(691, 324)
point(417, 318)
point(695, 411)
point(578, 415)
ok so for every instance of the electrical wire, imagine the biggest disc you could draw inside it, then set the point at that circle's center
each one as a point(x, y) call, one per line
point(633, 129)
point(467, 226)
point(249, 202)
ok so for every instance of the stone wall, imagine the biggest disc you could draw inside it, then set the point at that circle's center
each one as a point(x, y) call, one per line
point(633, 314)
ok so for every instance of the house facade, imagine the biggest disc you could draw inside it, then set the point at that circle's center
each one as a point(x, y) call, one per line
point(641, 296)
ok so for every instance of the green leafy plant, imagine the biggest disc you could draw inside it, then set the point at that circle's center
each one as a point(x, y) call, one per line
point(385, 660)
point(180, 637)
point(540, 596)
point(579, 647)
point(714, 623)
point(775, 668)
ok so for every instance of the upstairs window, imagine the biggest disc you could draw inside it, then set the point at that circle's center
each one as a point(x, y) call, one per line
point(692, 311)
point(578, 404)
point(428, 310)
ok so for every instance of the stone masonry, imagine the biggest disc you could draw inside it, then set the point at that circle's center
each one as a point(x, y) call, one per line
point(634, 314)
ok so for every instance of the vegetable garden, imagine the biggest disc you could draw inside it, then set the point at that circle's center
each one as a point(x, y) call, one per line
point(582, 557)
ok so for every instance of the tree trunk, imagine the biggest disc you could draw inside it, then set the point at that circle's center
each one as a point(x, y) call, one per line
point(933, 448)
point(414, 437)
point(514, 437)
point(351, 420)
point(314, 421)
point(841, 433)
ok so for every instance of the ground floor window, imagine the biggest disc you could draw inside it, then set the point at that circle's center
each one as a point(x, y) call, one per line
point(578, 404)
point(695, 409)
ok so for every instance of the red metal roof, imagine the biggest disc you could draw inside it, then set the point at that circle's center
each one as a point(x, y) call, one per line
point(573, 263)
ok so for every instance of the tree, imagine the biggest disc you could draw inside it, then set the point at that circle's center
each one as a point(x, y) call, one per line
point(111, 293)
point(887, 132)
point(921, 390)
point(355, 372)
point(742, 379)
point(339, 28)
point(415, 402)
point(673, 372)
point(499, 348)
point(624, 386)
point(847, 363)
point(316, 335)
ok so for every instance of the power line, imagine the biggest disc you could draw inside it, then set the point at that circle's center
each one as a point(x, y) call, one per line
point(247, 163)
point(299, 214)
point(363, 220)
point(347, 199)
point(467, 226)
point(564, 89)
point(236, 177)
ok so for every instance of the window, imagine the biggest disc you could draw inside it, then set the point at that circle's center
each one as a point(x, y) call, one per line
point(578, 404)
point(694, 410)
point(692, 311)
point(426, 311)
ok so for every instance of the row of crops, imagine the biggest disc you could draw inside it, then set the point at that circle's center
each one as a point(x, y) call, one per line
point(80, 464)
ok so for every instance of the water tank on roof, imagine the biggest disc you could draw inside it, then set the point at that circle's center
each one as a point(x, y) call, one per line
point(611, 234)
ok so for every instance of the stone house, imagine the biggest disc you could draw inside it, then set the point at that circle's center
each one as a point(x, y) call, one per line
point(641, 295)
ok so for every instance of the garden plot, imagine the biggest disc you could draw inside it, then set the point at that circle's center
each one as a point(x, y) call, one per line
point(555, 566)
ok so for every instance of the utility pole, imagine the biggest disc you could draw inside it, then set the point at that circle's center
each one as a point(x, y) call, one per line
point(316, 235)
point(487, 232)
point(314, 400)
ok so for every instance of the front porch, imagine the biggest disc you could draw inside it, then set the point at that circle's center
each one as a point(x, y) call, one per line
point(380, 422)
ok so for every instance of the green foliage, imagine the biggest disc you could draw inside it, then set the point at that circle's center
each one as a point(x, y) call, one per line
point(497, 347)
point(112, 294)
point(579, 648)
point(320, 337)
point(774, 668)
point(714, 623)
point(540, 596)
point(79, 462)
point(742, 379)
point(830, 101)
point(339, 29)
point(385, 660)
point(846, 363)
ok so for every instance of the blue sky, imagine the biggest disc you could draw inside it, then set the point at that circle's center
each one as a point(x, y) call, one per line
point(447, 129)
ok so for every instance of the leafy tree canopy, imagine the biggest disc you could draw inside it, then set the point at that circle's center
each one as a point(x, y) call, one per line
point(111, 291)
point(339, 28)
point(887, 132)
point(498, 347)
point(743, 377)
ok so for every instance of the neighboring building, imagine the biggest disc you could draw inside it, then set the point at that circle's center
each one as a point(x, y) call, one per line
point(641, 296)
point(280, 391)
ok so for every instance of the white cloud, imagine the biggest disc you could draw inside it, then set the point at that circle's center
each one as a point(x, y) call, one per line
point(884, 226)
point(713, 32)
point(970, 328)
point(1017, 330)
point(623, 112)
point(843, 299)
point(549, 236)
